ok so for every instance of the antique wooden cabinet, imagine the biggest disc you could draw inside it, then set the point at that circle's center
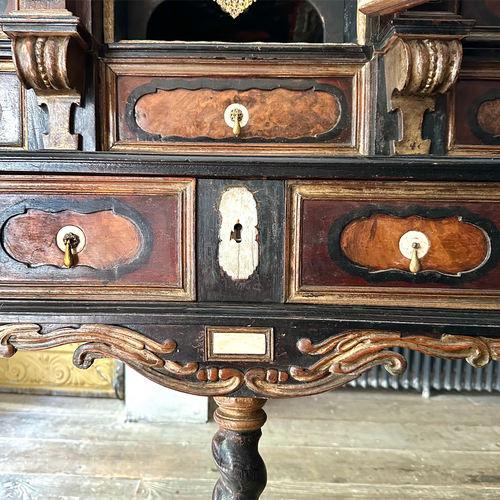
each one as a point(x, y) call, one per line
point(250, 205)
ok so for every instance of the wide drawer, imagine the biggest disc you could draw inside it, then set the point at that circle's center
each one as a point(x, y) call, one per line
point(97, 238)
point(399, 244)
point(280, 108)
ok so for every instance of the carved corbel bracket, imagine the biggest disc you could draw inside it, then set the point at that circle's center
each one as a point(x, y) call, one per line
point(422, 55)
point(49, 54)
point(417, 71)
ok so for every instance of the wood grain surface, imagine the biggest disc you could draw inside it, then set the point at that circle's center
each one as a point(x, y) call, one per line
point(161, 266)
point(275, 113)
point(488, 117)
point(349, 444)
point(381, 7)
point(318, 269)
point(111, 239)
point(475, 96)
point(485, 12)
point(493, 6)
point(455, 246)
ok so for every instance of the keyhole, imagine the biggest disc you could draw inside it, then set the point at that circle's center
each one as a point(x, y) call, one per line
point(236, 233)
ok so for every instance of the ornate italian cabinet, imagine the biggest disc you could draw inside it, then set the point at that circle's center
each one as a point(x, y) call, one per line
point(250, 200)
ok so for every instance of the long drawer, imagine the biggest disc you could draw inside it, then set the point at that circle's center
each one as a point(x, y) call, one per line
point(394, 244)
point(97, 238)
point(263, 108)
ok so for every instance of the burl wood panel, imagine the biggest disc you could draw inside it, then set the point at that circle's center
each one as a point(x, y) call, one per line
point(156, 215)
point(476, 97)
point(485, 12)
point(110, 239)
point(290, 114)
point(488, 116)
point(317, 269)
point(455, 246)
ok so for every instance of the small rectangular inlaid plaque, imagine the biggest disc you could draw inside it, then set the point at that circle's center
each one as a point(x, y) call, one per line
point(238, 343)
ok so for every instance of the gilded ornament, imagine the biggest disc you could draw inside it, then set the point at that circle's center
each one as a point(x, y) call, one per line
point(342, 358)
point(234, 7)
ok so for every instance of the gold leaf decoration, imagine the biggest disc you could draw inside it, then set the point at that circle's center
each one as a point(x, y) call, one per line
point(234, 7)
point(52, 372)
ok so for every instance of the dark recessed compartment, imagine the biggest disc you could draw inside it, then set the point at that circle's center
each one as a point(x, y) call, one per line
point(278, 21)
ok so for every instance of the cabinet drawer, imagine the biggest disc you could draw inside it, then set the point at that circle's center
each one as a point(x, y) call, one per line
point(97, 238)
point(177, 109)
point(407, 244)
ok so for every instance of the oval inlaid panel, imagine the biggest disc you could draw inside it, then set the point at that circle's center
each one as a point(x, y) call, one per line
point(488, 117)
point(277, 113)
point(111, 240)
point(455, 246)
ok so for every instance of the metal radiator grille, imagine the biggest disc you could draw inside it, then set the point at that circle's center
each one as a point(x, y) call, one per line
point(425, 373)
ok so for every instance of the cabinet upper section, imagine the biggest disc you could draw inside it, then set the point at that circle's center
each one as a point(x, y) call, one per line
point(259, 77)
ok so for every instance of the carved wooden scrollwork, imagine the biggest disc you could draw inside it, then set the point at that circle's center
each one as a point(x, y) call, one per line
point(51, 62)
point(417, 71)
point(342, 358)
point(135, 350)
point(345, 357)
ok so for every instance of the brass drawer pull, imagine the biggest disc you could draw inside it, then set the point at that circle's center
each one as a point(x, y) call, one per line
point(236, 117)
point(71, 241)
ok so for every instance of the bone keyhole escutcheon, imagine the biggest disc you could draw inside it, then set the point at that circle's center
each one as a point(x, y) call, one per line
point(414, 245)
point(238, 234)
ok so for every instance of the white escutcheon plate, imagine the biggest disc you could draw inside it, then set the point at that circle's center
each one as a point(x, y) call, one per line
point(407, 240)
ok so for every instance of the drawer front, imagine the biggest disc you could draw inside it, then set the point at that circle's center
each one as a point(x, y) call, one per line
point(97, 238)
point(408, 244)
point(311, 113)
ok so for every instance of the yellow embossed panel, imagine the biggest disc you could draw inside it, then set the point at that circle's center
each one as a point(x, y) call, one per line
point(52, 372)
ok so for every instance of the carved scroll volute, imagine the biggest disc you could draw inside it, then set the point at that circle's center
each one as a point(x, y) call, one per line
point(52, 64)
point(417, 71)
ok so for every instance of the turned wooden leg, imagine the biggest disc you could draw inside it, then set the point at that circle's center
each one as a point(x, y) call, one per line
point(235, 449)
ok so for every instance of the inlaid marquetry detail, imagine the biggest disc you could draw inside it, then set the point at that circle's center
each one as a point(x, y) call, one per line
point(107, 239)
point(238, 235)
point(344, 244)
point(453, 246)
point(239, 343)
